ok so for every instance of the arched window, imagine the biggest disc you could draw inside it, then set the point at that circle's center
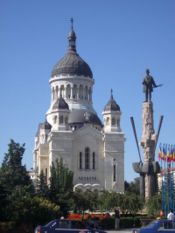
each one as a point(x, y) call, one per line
point(75, 92)
point(86, 93)
point(61, 119)
point(55, 119)
point(114, 172)
point(93, 161)
point(42, 138)
point(113, 121)
point(56, 92)
point(62, 91)
point(89, 94)
point(81, 92)
point(80, 160)
point(87, 158)
point(66, 120)
point(68, 91)
point(53, 93)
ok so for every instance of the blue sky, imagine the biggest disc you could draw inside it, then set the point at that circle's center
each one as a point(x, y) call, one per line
point(119, 39)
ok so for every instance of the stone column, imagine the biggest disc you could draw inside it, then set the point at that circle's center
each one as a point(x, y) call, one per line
point(148, 144)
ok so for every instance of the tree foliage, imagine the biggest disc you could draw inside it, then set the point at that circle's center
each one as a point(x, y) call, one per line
point(12, 172)
point(61, 186)
point(42, 187)
point(14, 181)
point(153, 205)
point(129, 203)
point(133, 186)
point(85, 200)
point(17, 197)
point(21, 203)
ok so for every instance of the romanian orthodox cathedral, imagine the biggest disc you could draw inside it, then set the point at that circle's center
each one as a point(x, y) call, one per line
point(91, 148)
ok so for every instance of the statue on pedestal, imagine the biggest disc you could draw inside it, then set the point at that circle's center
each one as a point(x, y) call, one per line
point(148, 85)
point(149, 168)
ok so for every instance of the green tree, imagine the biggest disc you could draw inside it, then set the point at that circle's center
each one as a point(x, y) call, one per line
point(93, 197)
point(109, 200)
point(41, 211)
point(133, 186)
point(30, 210)
point(85, 200)
point(81, 202)
point(130, 203)
point(42, 187)
point(12, 172)
point(153, 205)
point(61, 186)
point(3, 202)
point(13, 179)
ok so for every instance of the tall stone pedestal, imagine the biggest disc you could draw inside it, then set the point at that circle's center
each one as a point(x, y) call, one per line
point(148, 144)
point(149, 168)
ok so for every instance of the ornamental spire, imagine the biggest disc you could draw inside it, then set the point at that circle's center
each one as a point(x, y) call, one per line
point(111, 94)
point(72, 23)
point(72, 38)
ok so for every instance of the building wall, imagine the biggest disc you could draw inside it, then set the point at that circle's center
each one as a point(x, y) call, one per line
point(108, 149)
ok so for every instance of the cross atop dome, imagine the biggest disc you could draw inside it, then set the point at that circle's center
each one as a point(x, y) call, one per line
point(72, 38)
point(111, 93)
point(72, 23)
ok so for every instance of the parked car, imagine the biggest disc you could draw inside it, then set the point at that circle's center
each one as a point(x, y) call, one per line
point(157, 226)
point(63, 225)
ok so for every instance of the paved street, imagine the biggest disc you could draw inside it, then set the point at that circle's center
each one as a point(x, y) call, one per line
point(120, 231)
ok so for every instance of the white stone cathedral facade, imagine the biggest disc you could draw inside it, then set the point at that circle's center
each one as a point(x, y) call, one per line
point(93, 150)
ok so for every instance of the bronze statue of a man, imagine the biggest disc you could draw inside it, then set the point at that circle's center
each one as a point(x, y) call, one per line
point(148, 85)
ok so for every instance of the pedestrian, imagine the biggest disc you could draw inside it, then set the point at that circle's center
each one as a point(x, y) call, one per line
point(171, 215)
point(161, 214)
point(117, 218)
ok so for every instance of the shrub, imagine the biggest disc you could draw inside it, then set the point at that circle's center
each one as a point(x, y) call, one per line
point(7, 227)
point(129, 222)
point(107, 223)
point(125, 222)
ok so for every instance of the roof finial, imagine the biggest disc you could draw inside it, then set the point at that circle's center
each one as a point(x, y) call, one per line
point(111, 93)
point(72, 38)
point(72, 23)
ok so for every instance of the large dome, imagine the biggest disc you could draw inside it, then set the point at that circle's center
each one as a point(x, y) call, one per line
point(81, 116)
point(72, 64)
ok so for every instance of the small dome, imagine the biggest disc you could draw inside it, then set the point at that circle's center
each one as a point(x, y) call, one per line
point(112, 105)
point(45, 125)
point(60, 104)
